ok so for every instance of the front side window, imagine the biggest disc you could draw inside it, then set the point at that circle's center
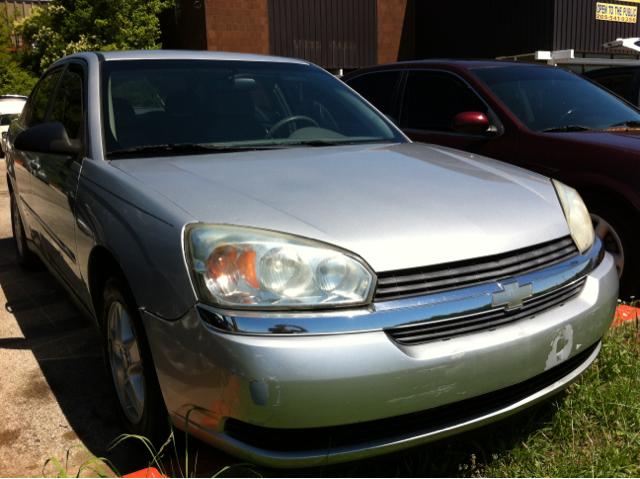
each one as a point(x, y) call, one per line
point(431, 101)
point(67, 107)
point(187, 102)
point(378, 88)
point(40, 100)
point(618, 84)
point(547, 99)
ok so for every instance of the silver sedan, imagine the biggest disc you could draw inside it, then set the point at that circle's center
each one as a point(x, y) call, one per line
point(270, 259)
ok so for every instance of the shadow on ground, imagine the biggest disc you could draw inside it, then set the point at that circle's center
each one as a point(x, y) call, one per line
point(66, 346)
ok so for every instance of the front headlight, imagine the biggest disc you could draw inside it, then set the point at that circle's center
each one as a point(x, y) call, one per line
point(249, 268)
point(577, 216)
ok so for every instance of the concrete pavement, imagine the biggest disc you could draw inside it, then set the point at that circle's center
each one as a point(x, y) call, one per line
point(52, 384)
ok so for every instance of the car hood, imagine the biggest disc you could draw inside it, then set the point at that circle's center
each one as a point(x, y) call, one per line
point(396, 206)
point(628, 139)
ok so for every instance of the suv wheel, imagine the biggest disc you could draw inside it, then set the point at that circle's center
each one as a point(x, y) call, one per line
point(617, 233)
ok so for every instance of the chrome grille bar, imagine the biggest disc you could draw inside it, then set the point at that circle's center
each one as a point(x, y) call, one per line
point(421, 281)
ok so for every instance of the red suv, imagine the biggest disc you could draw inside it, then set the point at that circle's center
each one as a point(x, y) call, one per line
point(539, 117)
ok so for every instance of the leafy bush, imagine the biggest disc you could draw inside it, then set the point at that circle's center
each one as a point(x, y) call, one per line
point(72, 26)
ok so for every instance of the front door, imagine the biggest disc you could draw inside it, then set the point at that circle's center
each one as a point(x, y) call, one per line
point(429, 102)
point(55, 180)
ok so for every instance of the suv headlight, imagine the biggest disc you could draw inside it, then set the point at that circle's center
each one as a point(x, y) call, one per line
point(255, 269)
point(577, 216)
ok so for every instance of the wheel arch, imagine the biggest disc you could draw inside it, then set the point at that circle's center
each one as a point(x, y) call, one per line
point(605, 189)
point(102, 265)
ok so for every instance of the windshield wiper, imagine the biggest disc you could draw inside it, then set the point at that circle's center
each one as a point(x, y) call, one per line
point(626, 123)
point(331, 142)
point(191, 148)
point(561, 129)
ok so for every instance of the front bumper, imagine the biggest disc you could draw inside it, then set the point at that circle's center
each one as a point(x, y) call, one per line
point(307, 381)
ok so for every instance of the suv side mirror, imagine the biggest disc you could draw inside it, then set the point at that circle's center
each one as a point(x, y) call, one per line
point(47, 138)
point(472, 122)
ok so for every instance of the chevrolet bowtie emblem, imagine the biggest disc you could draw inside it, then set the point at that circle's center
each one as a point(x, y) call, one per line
point(512, 295)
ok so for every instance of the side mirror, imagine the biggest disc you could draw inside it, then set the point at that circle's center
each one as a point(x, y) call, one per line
point(47, 138)
point(472, 122)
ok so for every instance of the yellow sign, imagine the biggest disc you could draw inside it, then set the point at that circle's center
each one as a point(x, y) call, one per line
point(616, 13)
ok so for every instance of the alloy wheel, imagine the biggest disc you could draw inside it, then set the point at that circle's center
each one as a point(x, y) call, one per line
point(126, 365)
point(611, 241)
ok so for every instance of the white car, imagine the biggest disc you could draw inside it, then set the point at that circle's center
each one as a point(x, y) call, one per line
point(10, 109)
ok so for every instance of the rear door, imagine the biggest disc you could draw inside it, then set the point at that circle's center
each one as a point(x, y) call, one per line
point(55, 181)
point(24, 162)
point(380, 89)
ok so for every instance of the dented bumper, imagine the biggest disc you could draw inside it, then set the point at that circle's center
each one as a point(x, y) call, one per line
point(302, 381)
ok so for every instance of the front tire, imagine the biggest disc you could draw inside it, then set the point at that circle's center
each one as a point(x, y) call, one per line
point(129, 365)
point(618, 234)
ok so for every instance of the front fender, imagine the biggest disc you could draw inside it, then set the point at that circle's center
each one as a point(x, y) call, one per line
point(142, 230)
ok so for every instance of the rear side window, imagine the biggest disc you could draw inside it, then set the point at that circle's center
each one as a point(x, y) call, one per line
point(40, 101)
point(618, 84)
point(378, 88)
point(431, 101)
point(67, 107)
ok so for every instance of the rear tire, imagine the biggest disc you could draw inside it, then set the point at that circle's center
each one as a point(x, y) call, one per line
point(26, 258)
point(132, 376)
point(618, 232)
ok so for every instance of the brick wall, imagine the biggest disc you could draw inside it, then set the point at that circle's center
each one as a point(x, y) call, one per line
point(396, 30)
point(237, 26)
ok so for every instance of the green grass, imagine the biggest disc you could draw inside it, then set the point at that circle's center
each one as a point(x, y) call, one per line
point(590, 430)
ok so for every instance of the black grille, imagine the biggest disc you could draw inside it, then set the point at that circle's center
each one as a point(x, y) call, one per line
point(420, 422)
point(463, 274)
point(433, 330)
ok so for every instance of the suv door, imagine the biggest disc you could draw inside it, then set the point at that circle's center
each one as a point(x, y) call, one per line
point(56, 177)
point(429, 101)
point(34, 113)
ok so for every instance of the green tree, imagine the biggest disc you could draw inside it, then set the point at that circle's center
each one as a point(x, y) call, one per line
point(71, 26)
point(13, 78)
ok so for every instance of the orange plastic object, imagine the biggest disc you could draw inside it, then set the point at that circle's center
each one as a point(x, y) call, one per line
point(625, 313)
point(148, 472)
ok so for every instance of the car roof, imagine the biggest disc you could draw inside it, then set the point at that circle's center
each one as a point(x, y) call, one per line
point(186, 55)
point(12, 97)
point(471, 63)
point(449, 64)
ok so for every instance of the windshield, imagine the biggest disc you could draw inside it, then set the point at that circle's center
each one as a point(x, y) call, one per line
point(553, 99)
point(5, 120)
point(149, 103)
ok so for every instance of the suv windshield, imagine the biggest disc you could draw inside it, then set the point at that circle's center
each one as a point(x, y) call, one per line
point(552, 99)
point(234, 104)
